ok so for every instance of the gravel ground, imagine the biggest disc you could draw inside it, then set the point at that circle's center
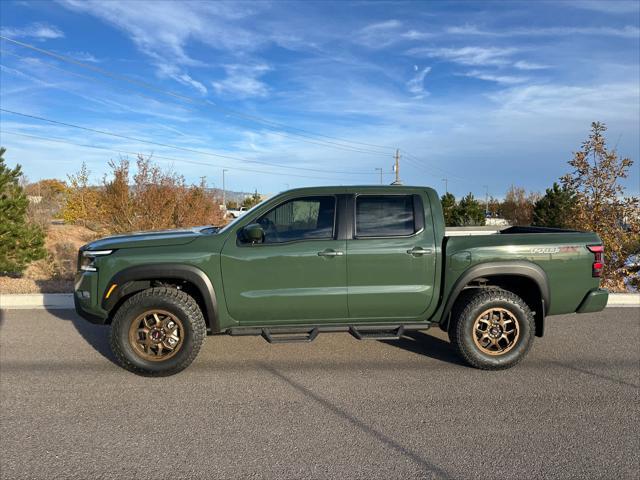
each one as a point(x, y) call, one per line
point(336, 408)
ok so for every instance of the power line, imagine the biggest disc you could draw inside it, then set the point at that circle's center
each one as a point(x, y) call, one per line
point(253, 118)
point(182, 160)
point(345, 148)
point(199, 152)
point(416, 162)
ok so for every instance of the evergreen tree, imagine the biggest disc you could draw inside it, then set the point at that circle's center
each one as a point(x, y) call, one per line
point(20, 242)
point(448, 209)
point(469, 211)
point(555, 208)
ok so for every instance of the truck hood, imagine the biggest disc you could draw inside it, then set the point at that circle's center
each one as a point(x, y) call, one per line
point(150, 239)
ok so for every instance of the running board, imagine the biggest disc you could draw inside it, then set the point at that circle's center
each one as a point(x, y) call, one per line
point(375, 334)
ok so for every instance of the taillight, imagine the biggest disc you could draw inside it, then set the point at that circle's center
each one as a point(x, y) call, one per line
point(598, 263)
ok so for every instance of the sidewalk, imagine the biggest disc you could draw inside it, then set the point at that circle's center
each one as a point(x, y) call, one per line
point(65, 301)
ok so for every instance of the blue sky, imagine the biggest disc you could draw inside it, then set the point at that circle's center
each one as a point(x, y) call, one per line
point(287, 94)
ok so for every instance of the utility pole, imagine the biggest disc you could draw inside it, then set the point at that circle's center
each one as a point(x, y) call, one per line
point(224, 189)
point(446, 185)
point(396, 168)
point(380, 170)
point(486, 200)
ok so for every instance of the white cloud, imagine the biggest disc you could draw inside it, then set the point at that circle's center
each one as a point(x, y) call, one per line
point(627, 31)
point(84, 57)
point(607, 6)
point(489, 77)
point(243, 81)
point(585, 103)
point(384, 34)
point(162, 30)
point(416, 35)
point(378, 35)
point(38, 30)
point(524, 65)
point(416, 84)
point(474, 56)
point(171, 71)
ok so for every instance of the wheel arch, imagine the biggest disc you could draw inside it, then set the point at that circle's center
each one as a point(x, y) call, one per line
point(140, 277)
point(526, 279)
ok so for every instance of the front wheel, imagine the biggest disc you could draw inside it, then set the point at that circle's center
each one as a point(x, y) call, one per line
point(492, 329)
point(157, 332)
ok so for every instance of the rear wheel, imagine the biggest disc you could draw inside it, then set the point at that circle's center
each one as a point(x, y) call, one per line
point(492, 329)
point(157, 332)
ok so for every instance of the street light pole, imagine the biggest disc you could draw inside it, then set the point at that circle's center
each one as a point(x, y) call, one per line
point(486, 200)
point(224, 189)
point(446, 185)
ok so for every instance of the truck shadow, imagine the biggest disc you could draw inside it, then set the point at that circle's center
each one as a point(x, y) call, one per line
point(95, 335)
point(427, 345)
point(416, 341)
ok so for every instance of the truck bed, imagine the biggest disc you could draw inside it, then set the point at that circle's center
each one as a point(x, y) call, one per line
point(562, 254)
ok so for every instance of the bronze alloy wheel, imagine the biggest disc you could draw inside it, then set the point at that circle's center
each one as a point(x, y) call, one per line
point(496, 331)
point(156, 335)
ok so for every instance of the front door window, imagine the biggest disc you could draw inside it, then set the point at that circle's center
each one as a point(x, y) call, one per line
point(308, 218)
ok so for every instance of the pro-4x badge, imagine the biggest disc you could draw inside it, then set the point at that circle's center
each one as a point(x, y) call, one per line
point(545, 250)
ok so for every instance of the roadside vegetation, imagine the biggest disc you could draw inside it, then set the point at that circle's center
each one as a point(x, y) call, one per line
point(42, 224)
point(149, 199)
point(21, 241)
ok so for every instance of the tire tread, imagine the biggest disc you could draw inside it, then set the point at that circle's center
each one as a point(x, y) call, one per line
point(175, 296)
point(468, 304)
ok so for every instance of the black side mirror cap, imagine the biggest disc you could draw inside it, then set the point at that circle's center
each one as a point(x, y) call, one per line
point(253, 233)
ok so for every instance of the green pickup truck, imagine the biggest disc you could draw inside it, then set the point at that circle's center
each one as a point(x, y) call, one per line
point(373, 261)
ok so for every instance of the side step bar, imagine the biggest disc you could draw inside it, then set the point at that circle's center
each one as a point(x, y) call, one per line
point(309, 333)
point(270, 337)
point(374, 334)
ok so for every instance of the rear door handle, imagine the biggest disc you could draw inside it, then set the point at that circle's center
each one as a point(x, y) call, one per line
point(418, 251)
point(330, 253)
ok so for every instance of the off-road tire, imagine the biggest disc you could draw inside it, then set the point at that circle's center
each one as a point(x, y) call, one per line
point(172, 300)
point(470, 307)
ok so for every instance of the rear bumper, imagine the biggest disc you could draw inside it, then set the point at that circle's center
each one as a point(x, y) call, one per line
point(594, 301)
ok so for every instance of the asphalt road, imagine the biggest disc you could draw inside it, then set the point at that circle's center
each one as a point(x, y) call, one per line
point(336, 408)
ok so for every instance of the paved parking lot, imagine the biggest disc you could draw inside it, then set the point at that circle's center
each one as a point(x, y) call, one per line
point(336, 408)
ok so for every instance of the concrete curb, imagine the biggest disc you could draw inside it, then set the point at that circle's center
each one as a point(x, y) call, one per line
point(624, 300)
point(65, 301)
point(36, 301)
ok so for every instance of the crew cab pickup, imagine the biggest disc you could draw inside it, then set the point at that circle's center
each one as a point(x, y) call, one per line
point(372, 261)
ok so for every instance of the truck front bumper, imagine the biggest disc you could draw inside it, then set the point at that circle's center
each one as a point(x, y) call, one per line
point(594, 301)
point(84, 298)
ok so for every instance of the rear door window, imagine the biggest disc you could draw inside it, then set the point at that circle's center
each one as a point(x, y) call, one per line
point(385, 215)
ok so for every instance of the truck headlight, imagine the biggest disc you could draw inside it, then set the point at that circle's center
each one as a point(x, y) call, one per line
point(87, 259)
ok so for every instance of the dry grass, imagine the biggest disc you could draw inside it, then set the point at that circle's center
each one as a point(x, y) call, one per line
point(53, 274)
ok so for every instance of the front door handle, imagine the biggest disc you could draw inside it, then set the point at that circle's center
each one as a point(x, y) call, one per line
point(330, 253)
point(418, 251)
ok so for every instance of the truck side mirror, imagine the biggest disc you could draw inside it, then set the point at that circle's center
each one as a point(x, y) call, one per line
point(253, 233)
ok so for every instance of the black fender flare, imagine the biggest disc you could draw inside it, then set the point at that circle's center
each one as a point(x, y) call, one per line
point(518, 268)
point(133, 279)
